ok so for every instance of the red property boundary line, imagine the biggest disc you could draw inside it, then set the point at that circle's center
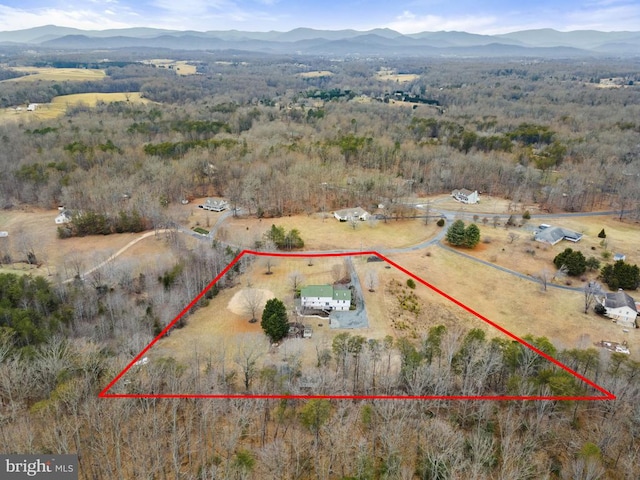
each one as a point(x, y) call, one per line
point(606, 395)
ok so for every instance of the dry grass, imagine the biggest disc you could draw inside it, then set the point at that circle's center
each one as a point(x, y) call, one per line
point(391, 76)
point(57, 74)
point(328, 234)
point(181, 67)
point(316, 74)
point(59, 105)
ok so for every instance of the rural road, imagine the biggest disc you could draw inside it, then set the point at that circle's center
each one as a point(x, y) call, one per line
point(448, 215)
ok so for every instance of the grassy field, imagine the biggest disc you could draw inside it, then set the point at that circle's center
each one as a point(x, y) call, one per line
point(388, 75)
point(330, 234)
point(316, 74)
point(57, 74)
point(181, 67)
point(59, 105)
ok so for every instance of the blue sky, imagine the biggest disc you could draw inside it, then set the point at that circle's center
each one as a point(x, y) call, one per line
point(405, 16)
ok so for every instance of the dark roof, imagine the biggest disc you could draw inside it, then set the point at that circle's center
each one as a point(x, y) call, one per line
point(553, 235)
point(618, 300)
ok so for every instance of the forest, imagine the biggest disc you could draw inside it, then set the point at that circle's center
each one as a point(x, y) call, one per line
point(275, 143)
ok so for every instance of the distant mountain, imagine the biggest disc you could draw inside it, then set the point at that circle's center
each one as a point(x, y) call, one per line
point(381, 41)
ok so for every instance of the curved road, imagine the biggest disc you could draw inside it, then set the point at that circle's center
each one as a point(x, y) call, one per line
point(436, 240)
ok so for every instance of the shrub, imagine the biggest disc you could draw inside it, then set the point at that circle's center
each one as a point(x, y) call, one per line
point(526, 215)
point(411, 283)
point(440, 222)
point(602, 234)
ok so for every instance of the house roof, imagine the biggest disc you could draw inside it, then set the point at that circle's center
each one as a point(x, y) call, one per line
point(325, 291)
point(356, 212)
point(619, 300)
point(463, 191)
point(215, 201)
point(553, 235)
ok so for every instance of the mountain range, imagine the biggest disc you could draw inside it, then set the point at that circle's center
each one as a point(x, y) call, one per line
point(382, 41)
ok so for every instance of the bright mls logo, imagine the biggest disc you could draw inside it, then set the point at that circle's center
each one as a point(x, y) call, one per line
point(52, 467)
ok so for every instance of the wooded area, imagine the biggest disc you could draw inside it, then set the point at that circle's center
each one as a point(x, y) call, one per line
point(274, 143)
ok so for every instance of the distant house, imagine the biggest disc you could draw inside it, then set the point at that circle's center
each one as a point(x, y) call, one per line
point(552, 235)
point(63, 217)
point(620, 307)
point(325, 297)
point(32, 107)
point(215, 204)
point(466, 196)
point(348, 214)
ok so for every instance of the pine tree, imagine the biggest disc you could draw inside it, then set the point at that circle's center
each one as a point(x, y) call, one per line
point(455, 233)
point(471, 236)
point(274, 320)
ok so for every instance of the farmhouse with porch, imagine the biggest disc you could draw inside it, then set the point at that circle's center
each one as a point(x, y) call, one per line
point(325, 297)
point(621, 308)
point(466, 196)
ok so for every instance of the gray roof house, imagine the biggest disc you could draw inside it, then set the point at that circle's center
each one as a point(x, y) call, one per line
point(553, 235)
point(351, 214)
point(620, 307)
point(215, 204)
point(466, 196)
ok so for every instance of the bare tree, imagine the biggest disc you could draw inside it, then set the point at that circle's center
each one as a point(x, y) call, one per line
point(251, 302)
point(336, 273)
point(371, 280)
point(248, 351)
point(513, 236)
point(591, 291)
point(544, 277)
point(295, 280)
point(353, 221)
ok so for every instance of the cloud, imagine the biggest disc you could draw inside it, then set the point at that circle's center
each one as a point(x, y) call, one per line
point(85, 18)
point(606, 16)
point(411, 23)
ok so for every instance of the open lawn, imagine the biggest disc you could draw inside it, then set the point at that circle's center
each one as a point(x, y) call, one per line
point(320, 234)
point(181, 67)
point(389, 75)
point(57, 74)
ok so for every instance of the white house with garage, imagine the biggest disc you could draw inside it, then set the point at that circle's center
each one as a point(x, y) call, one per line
point(325, 297)
point(466, 196)
point(621, 308)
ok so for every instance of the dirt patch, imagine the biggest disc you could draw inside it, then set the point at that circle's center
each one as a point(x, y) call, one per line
point(238, 302)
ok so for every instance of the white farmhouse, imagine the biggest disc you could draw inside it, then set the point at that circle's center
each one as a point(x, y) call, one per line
point(466, 196)
point(325, 297)
point(215, 204)
point(620, 307)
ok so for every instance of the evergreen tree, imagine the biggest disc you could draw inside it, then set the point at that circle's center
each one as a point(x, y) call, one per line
point(575, 262)
point(621, 275)
point(602, 234)
point(274, 320)
point(455, 233)
point(471, 236)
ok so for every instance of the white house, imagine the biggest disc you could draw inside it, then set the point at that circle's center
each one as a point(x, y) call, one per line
point(215, 204)
point(325, 297)
point(32, 107)
point(63, 217)
point(349, 214)
point(466, 196)
point(620, 307)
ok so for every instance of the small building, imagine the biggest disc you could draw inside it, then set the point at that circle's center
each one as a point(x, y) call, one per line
point(466, 196)
point(215, 204)
point(63, 217)
point(32, 107)
point(349, 214)
point(325, 297)
point(621, 308)
point(619, 257)
point(553, 235)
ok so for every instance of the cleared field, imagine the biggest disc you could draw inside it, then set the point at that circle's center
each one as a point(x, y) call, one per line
point(181, 67)
point(390, 76)
point(328, 233)
point(316, 74)
point(59, 105)
point(57, 74)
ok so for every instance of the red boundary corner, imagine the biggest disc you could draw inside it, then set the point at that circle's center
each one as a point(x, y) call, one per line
point(605, 394)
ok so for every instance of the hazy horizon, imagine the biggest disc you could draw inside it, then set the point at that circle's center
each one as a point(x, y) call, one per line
point(404, 16)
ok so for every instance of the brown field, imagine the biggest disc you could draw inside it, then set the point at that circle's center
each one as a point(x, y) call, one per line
point(181, 67)
point(59, 105)
point(328, 233)
point(316, 74)
point(36, 227)
point(388, 75)
point(58, 74)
